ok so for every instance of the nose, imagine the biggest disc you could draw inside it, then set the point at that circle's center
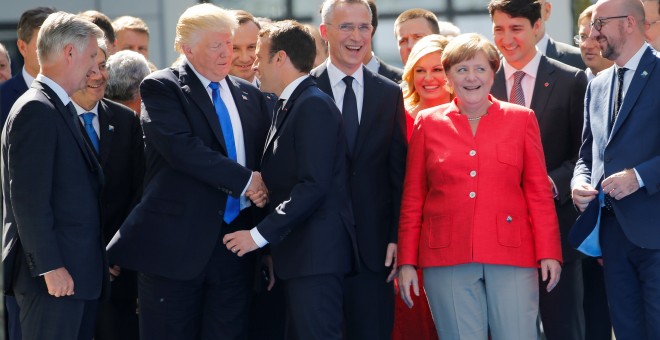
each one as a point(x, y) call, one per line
point(593, 33)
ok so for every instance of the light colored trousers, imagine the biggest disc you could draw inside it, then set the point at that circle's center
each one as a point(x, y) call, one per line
point(467, 299)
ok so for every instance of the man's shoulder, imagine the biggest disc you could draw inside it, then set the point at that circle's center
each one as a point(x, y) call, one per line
point(566, 53)
point(16, 83)
point(118, 109)
point(379, 81)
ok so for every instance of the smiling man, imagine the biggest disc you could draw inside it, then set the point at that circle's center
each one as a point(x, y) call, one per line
point(555, 91)
point(204, 135)
point(372, 109)
point(245, 46)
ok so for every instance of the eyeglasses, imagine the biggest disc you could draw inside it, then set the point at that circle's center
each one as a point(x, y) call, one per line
point(599, 22)
point(580, 38)
point(349, 28)
point(654, 22)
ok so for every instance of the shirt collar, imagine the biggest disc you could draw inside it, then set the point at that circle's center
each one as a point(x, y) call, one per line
point(336, 75)
point(288, 90)
point(542, 45)
point(633, 63)
point(59, 90)
point(27, 77)
point(530, 69)
point(204, 80)
point(373, 65)
point(80, 110)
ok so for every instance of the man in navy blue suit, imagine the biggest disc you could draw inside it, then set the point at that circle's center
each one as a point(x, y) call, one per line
point(53, 254)
point(204, 135)
point(619, 167)
point(310, 227)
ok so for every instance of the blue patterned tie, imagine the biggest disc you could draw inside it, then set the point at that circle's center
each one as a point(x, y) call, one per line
point(517, 96)
point(88, 117)
point(233, 204)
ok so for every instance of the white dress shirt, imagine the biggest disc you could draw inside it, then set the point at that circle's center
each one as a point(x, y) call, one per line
point(339, 87)
point(527, 83)
point(95, 120)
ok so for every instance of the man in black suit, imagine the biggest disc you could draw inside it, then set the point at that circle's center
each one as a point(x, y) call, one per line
point(556, 50)
point(555, 91)
point(28, 28)
point(374, 119)
point(114, 132)
point(204, 134)
point(310, 227)
point(371, 61)
point(54, 256)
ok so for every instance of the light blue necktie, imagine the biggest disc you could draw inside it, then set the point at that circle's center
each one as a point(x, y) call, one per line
point(233, 204)
point(88, 117)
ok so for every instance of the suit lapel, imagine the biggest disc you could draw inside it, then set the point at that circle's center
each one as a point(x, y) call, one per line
point(542, 88)
point(323, 80)
point(192, 86)
point(74, 127)
point(499, 86)
point(640, 78)
point(106, 130)
point(369, 105)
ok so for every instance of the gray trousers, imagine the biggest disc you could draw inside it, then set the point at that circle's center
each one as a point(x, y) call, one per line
point(467, 299)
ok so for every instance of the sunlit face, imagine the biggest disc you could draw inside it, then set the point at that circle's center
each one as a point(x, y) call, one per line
point(245, 45)
point(263, 66)
point(652, 16)
point(96, 83)
point(408, 33)
point(84, 64)
point(29, 52)
point(429, 77)
point(515, 37)
point(611, 36)
point(210, 53)
point(134, 41)
point(5, 68)
point(472, 79)
point(347, 49)
point(590, 50)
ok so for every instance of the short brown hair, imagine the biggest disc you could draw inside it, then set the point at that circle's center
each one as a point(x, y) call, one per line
point(127, 22)
point(31, 20)
point(294, 39)
point(419, 13)
point(465, 47)
point(245, 16)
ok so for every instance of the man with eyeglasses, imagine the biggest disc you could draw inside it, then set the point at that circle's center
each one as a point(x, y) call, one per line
point(589, 48)
point(616, 180)
point(652, 14)
point(372, 109)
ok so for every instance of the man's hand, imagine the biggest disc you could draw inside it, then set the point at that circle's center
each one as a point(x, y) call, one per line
point(268, 262)
point(551, 268)
point(114, 272)
point(621, 184)
point(390, 260)
point(257, 191)
point(408, 277)
point(583, 194)
point(239, 242)
point(59, 282)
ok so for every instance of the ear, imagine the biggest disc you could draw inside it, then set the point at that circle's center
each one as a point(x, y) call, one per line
point(69, 50)
point(187, 51)
point(280, 57)
point(536, 27)
point(22, 47)
point(546, 10)
point(324, 31)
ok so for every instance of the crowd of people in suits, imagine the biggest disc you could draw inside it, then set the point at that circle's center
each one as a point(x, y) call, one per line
point(281, 181)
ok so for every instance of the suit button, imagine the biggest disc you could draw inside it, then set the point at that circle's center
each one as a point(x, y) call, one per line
point(472, 153)
point(473, 173)
point(473, 194)
point(607, 159)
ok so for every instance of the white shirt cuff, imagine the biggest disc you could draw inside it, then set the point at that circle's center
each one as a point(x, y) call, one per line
point(257, 238)
point(247, 185)
point(639, 179)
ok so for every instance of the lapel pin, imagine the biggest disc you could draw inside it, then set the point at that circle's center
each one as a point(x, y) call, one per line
point(546, 84)
point(244, 95)
point(644, 74)
point(111, 128)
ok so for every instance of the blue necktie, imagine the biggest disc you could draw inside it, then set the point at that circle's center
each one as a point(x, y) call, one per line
point(88, 117)
point(233, 204)
point(349, 111)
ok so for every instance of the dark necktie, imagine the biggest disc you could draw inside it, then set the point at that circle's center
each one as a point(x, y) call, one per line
point(619, 94)
point(233, 206)
point(349, 111)
point(517, 96)
point(88, 117)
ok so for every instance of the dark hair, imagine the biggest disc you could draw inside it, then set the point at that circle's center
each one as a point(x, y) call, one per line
point(295, 40)
point(415, 13)
point(244, 16)
point(102, 21)
point(374, 15)
point(528, 9)
point(31, 20)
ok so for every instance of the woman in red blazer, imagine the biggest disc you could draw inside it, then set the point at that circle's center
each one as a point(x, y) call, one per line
point(477, 212)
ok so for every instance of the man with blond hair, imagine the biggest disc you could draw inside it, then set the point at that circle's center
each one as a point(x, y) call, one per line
point(204, 135)
point(53, 254)
point(132, 34)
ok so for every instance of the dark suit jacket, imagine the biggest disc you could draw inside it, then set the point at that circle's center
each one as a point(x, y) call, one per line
point(9, 92)
point(51, 187)
point(390, 72)
point(557, 102)
point(173, 231)
point(565, 53)
point(378, 166)
point(633, 143)
point(310, 227)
